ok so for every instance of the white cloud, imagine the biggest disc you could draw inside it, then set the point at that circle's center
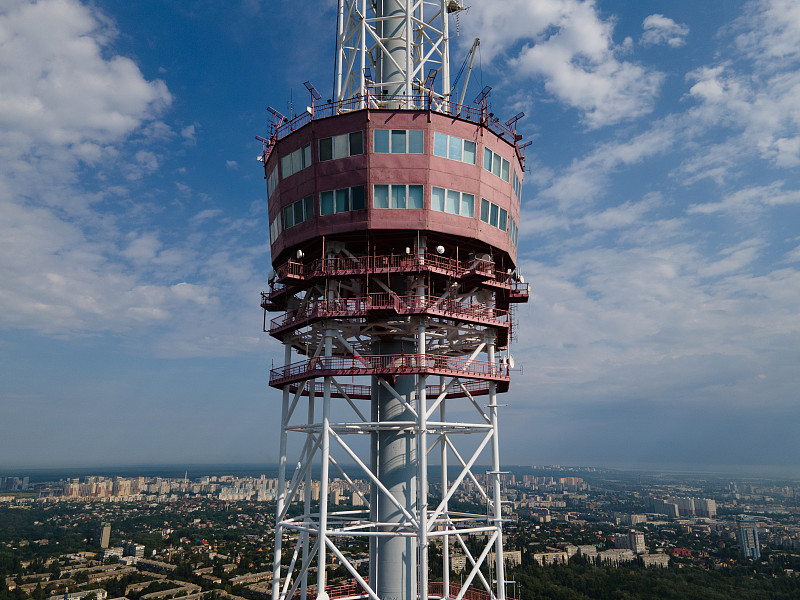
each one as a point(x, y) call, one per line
point(659, 29)
point(189, 133)
point(744, 202)
point(568, 45)
point(76, 261)
point(769, 31)
point(584, 181)
point(232, 164)
point(184, 190)
point(205, 215)
point(57, 90)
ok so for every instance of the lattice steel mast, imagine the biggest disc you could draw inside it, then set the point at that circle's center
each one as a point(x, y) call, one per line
point(393, 222)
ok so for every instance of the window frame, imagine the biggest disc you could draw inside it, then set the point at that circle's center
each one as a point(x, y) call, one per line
point(386, 196)
point(347, 197)
point(330, 149)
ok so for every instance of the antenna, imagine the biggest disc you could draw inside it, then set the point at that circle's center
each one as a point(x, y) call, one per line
point(314, 96)
point(512, 122)
point(481, 97)
point(480, 100)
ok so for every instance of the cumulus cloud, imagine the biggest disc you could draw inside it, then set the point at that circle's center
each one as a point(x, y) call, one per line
point(659, 29)
point(569, 46)
point(681, 297)
point(57, 89)
point(189, 134)
point(79, 254)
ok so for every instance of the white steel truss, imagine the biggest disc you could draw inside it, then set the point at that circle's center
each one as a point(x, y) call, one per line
point(441, 351)
point(391, 48)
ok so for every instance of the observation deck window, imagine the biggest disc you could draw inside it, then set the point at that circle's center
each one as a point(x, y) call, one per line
point(397, 196)
point(448, 146)
point(452, 202)
point(341, 200)
point(496, 164)
point(275, 229)
point(297, 212)
point(296, 161)
point(272, 181)
point(492, 214)
point(398, 141)
point(513, 231)
point(341, 146)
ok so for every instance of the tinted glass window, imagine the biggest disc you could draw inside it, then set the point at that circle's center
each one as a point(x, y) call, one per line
point(440, 144)
point(415, 141)
point(342, 204)
point(382, 140)
point(437, 199)
point(454, 151)
point(357, 198)
point(485, 210)
point(398, 196)
point(326, 149)
point(467, 205)
point(415, 196)
point(380, 196)
point(356, 143)
point(469, 152)
point(398, 141)
point(326, 203)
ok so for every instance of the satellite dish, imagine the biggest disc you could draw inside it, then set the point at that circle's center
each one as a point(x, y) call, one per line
point(521, 279)
point(440, 249)
point(511, 361)
point(300, 254)
point(271, 276)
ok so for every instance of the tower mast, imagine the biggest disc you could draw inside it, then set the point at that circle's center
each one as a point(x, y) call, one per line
point(393, 217)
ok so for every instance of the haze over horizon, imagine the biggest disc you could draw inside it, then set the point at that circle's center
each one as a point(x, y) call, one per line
point(659, 230)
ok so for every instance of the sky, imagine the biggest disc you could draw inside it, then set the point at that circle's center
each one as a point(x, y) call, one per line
point(659, 231)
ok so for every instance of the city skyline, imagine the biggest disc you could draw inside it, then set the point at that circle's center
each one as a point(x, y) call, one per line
point(657, 227)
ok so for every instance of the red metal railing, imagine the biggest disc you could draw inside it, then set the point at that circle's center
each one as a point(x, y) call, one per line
point(388, 364)
point(388, 263)
point(402, 305)
point(476, 387)
point(473, 114)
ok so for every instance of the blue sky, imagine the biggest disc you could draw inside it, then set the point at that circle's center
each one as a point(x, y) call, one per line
point(659, 232)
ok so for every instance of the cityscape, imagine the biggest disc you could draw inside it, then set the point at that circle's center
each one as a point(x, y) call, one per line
point(158, 537)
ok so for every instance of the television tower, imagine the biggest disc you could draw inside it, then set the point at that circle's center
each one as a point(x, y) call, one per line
point(393, 219)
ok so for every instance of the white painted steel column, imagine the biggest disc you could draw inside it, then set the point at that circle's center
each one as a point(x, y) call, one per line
point(498, 505)
point(323, 478)
point(374, 492)
point(307, 499)
point(445, 54)
point(392, 24)
point(339, 49)
point(409, 64)
point(445, 538)
point(281, 500)
point(422, 465)
point(363, 52)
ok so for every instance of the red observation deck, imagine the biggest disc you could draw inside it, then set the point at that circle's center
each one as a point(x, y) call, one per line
point(383, 177)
